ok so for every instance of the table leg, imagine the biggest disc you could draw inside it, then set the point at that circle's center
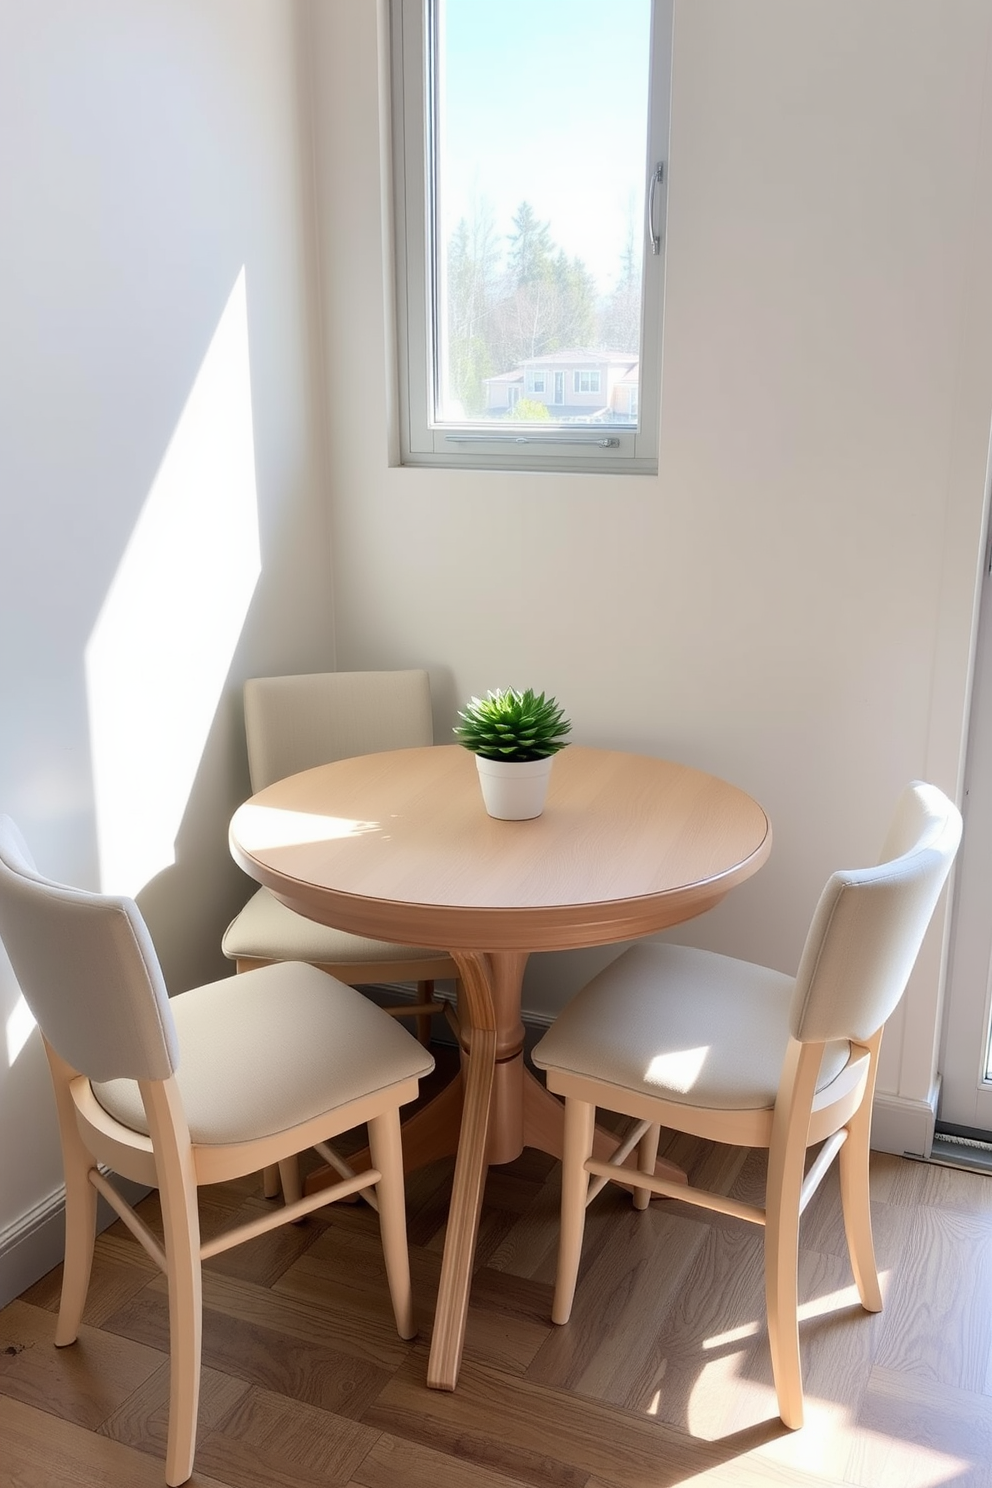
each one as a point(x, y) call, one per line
point(506, 1109)
point(433, 1131)
point(477, 980)
point(487, 1114)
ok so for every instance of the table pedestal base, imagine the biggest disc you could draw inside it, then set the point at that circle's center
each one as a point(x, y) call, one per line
point(432, 1132)
point(533, 1117)
point(488, 1114)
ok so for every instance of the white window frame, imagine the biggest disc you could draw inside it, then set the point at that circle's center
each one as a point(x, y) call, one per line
point(421, 441)
point(537, 380)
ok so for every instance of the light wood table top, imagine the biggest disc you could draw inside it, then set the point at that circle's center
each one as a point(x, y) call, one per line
point(398, 846)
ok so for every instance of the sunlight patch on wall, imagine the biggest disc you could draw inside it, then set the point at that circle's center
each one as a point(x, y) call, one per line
point(160, 651)
point(20, 1025)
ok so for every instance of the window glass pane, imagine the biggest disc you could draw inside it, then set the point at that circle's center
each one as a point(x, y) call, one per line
point(537, 205)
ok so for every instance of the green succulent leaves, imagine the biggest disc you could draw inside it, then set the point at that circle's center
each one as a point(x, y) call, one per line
point(511, 725)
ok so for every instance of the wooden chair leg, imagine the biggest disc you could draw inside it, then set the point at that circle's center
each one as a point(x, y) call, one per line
point(387, 1155)
point(782, 1302)
point(580, 1130)
point(786, 1164)
point(423, 1010)
point(80, 1206)
point(181, 1230)
point(185, 1344)
point(856, 1201)
point(289, 1179)
point(80, 1237)
point(855, 1188)
point(647, 1152)
point(425, 993)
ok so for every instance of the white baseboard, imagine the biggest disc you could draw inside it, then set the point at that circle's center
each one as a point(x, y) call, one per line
point(903, 1125)
point(31, 1246)
point(34, 1243)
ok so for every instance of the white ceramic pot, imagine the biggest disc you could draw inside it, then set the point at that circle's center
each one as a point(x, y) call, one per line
point(514, 790)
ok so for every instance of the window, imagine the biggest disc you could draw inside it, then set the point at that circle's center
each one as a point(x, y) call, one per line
point(530, 142)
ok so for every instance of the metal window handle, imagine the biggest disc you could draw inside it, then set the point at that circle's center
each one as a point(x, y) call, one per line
point(657, 176)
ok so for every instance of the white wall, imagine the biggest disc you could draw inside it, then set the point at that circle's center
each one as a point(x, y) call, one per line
point(149, 153)
point(790, 602)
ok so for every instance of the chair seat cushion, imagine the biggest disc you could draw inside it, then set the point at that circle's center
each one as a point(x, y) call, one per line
point(266, 930)
point(261, 1052)
point(684, 1025)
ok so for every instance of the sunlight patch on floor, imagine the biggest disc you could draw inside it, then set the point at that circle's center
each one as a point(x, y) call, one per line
point(832, 1446)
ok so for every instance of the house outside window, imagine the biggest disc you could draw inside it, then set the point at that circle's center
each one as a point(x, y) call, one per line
point(519, 285)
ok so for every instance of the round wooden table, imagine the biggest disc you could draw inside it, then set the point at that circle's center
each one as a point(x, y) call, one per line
point(398, 846)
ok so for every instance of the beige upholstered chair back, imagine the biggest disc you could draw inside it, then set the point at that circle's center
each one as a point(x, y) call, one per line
point(869, 924)
point(295, 723)
point(88, 971)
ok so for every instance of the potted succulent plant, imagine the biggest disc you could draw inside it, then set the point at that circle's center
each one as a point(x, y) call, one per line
point(514, 737)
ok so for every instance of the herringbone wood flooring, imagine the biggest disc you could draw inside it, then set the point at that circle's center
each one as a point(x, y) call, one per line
point(661, 1378)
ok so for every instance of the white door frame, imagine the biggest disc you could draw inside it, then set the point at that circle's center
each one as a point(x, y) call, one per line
point(966, 1096)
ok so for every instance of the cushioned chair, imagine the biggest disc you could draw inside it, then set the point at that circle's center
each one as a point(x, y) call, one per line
point(292, 724)
point(736, 1053)
point(211, 1085)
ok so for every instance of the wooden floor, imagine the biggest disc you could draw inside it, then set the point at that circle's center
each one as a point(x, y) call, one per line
point(662, 1376)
